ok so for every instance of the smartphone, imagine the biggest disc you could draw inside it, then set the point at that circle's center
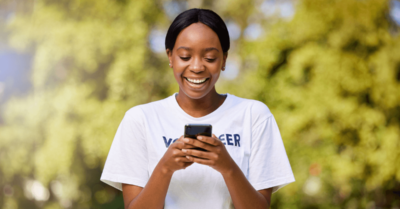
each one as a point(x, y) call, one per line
point(194, 130)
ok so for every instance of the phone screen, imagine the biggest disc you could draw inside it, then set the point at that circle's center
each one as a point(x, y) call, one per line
point(194, 130)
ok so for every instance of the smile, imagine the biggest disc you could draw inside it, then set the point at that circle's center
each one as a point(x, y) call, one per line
point(196, 81)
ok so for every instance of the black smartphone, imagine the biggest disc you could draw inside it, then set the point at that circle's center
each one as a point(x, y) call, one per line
point(194, 130)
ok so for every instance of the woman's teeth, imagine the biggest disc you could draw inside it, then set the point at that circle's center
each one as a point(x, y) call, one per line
point(197, 81)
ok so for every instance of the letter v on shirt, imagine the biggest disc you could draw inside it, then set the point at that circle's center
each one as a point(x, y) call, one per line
point(246, 128)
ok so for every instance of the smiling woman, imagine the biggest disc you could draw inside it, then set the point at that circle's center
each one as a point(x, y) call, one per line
point(197, 61)
point(197, 45)
point(241, 168)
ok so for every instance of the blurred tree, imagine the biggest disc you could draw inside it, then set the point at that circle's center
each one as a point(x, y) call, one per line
point(91, 64)
point(330, 75)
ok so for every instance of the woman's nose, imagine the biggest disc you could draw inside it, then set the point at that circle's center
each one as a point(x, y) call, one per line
point(196, 66)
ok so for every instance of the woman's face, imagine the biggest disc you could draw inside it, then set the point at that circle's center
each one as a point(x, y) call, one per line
point(197, 60)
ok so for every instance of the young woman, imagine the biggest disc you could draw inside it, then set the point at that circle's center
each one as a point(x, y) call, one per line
point(245, 160)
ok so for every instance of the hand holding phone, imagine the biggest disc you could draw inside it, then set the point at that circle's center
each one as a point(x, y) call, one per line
point(194, 130)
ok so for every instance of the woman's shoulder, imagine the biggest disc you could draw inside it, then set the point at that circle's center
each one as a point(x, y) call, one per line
point(254, 105)
point(259, 110)
point(147, 108)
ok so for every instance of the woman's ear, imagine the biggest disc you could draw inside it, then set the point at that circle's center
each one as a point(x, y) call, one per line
point(169, 54)
point(225, 56)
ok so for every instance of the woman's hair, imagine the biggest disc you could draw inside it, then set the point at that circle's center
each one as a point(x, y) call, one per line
point(205, 16)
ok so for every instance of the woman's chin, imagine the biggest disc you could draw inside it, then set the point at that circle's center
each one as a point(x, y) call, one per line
point(195, 91)
point(194, 95)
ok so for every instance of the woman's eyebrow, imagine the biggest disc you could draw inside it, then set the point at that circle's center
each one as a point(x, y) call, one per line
point(184, 47)
point(190, 49)
point(210, 49)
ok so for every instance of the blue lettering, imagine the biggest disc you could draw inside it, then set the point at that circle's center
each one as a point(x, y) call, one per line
point(229, 139)
point(237, 139)
point(222, 139)
point(167, 142)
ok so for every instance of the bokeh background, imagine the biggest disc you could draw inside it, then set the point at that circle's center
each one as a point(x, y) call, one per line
point(329, 70)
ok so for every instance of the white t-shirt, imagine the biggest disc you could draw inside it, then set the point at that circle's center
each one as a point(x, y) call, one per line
point(246, 127)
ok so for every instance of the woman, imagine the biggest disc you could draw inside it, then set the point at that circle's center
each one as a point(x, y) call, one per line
point(240, 168)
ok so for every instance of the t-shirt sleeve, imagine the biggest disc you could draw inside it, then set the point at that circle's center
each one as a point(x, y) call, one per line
point(269, 165)
point(127, 160)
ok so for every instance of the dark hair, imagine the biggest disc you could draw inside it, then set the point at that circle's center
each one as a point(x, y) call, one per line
point(205, 16)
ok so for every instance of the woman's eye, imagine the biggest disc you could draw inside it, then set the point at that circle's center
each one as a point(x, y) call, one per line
point(210, 60)
point(185, 58)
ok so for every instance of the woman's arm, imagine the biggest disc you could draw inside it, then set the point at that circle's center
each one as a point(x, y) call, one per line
point(242, 192)
point(154, 193)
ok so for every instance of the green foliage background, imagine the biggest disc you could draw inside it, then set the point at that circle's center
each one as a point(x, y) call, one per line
point(330, 75)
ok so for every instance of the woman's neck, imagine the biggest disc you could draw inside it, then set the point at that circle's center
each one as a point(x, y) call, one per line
point(200, 107)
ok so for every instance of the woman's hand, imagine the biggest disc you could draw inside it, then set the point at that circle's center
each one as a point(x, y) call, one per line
point(174, 159)
point(216, 155)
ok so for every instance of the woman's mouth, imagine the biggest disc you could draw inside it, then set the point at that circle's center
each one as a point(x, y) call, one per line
point(196, 81)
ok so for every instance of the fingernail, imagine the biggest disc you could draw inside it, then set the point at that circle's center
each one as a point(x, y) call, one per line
point(185, 139)
point(184, 150)
point(200, 137)
point(188, 157)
